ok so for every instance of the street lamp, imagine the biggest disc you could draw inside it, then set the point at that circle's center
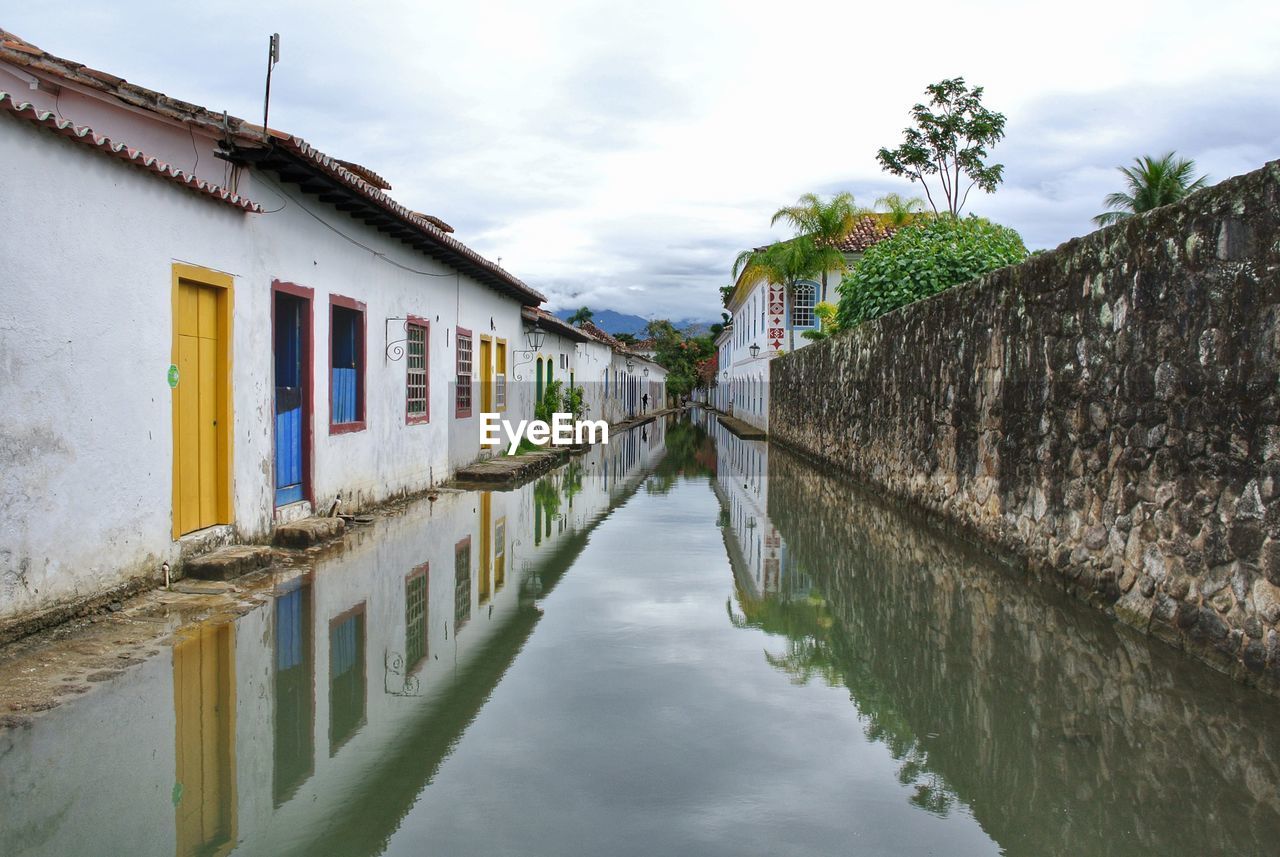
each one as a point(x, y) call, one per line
point(755, 350)
point(630, 364)
point(534, 336)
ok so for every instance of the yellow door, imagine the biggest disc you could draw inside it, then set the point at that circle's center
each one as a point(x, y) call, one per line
point(204, 699)
point(486, 376)
point(201, 409)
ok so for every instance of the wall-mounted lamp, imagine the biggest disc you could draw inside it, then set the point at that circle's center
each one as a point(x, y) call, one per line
point(630, 365)
point(755, 350)
point(534, 336)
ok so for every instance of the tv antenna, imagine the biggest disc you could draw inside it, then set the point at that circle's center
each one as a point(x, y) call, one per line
point(273, 57)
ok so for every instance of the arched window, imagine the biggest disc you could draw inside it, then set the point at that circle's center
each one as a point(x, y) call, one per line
point(802, 309)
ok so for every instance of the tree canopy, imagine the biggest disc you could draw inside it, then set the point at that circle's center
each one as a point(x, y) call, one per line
point(949, 141)
point(581, 316)
point(922, 260)
point(1152, 182)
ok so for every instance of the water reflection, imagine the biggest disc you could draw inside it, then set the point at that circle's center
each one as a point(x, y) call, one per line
point(1058, 731)
point(750, 657)
point(440, 641)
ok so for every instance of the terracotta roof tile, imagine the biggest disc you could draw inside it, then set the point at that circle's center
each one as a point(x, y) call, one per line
point(84, 135)
point(231, 128)
point(367, 174)
point(554, 324)
point(866, 232)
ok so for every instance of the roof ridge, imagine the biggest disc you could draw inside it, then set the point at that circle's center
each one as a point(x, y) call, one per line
point(85, 135)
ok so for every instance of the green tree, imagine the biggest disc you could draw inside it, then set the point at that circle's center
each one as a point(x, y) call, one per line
point(679, 355)
point(625, 338)
point(1153, 182)
point(922, 260)
point(900, 210)
point(826, 223)
point(950, 141)
point(581, 316)
point(785, 263)
point(827, 322)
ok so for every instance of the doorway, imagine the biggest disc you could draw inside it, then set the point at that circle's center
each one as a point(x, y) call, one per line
point(291, 313)
point(201, 381)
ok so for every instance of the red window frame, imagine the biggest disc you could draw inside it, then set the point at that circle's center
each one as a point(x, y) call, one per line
point(361, 421)
point(461, 412)
point(425, 416)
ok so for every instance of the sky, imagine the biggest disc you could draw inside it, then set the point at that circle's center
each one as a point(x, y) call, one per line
point(619, 155)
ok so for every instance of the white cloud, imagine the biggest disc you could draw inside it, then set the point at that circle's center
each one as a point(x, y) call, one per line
point(619, 154)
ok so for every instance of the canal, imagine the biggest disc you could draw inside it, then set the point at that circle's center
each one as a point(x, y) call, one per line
point(681, 643)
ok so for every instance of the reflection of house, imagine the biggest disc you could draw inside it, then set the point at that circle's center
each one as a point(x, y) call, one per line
point(312, 723)
point(766, 322)
point(251, 327)
point(759, 556)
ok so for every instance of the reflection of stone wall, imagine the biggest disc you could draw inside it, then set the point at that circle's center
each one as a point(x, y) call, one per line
point(1110, 410)
point(1063, 734)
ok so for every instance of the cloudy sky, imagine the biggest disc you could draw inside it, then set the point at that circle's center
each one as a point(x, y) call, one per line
point(619, 154)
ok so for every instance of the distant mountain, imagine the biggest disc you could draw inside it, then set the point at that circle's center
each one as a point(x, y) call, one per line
point(618, 322)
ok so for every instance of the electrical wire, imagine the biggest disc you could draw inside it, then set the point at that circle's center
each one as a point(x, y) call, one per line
point(378, 253)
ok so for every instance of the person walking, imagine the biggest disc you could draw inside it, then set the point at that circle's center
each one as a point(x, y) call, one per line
point(644, 403)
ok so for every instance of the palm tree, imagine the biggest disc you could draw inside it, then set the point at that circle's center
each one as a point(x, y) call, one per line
point(1153, 182)
point(785, 263)
point(827, 223)
point(900, 210)
point(581, 317)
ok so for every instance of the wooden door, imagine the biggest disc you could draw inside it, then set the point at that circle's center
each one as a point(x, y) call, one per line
point(486, 376)
point(201, 409)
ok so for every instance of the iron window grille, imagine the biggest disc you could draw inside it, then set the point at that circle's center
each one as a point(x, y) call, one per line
point(417, 408)
point(463, 389)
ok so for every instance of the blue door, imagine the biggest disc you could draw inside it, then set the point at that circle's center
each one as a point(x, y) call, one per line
point(291, 336)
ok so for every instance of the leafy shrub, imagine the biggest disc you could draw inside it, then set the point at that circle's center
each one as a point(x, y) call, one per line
point(549, 404)
point(923, 260)
point(574, 402)
point(827, 324)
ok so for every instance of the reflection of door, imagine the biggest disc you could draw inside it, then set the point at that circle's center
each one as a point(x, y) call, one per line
point(486, 544)
point(201, 399)
point(292, 394)
point(294, 691)
point(204, 701)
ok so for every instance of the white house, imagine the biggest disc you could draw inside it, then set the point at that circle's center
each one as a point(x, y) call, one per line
point(208, 329)
point(765, 323)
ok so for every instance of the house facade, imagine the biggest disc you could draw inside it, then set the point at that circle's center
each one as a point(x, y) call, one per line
point(766, 322)
point(211, 329)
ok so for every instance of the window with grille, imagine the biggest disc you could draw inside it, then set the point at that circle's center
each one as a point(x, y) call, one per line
point(461, 584)
point(500, 377)
point(415, 618)
point(416, 409)
point(463, 389)
point(802, 310)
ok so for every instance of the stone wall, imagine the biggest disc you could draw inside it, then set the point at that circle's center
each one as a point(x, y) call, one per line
point(1109, 411)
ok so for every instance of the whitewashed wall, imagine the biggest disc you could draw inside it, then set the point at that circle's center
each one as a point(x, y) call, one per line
point(86, 339)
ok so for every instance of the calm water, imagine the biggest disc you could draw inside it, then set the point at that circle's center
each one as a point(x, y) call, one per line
point(682, 644)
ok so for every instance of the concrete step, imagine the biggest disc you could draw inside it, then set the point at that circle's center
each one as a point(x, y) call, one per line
point(227, 563)
point(308, 531)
